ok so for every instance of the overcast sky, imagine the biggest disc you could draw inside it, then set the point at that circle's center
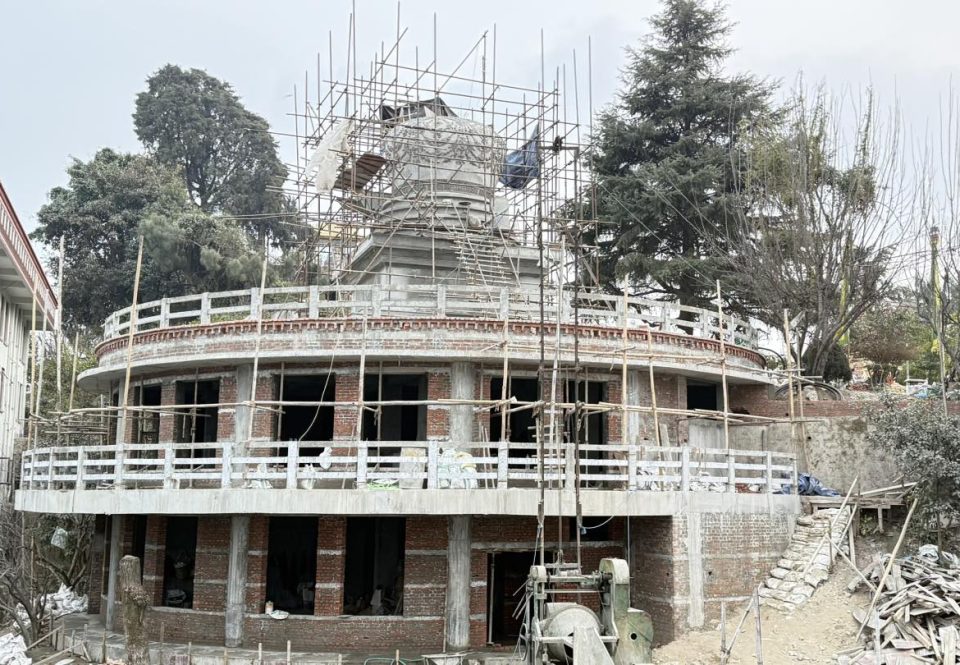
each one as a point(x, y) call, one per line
point(70, 69)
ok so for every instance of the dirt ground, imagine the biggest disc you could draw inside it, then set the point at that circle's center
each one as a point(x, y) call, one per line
point(812, 634)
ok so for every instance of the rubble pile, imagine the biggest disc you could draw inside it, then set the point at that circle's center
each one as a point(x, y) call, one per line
point(12, 650)
point(917, 615)
point(806, 563)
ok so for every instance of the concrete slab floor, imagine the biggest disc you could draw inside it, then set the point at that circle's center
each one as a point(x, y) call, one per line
point(83, 635)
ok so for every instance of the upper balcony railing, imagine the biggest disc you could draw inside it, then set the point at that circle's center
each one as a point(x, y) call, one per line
point(404, 465)
point(440, 301)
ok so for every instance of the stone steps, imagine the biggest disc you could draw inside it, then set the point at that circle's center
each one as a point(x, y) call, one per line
point(802, 568)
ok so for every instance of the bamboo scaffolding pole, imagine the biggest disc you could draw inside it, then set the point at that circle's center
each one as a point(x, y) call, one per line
point(653, 390)
point(624, 425)
point(723, 370)
point(256, 353)
point(73, 371)
point(789, 360)
point(133, 325)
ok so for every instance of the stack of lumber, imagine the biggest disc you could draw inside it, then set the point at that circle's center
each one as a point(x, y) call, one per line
point(917, 615)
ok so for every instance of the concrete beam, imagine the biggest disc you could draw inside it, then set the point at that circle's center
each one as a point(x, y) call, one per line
point(514, 501)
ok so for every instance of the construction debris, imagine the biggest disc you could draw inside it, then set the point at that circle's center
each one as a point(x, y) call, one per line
point(805, 564)
point(13, 651)
point(917, 616)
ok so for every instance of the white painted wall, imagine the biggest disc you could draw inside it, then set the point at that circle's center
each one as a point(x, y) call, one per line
point(14, 347)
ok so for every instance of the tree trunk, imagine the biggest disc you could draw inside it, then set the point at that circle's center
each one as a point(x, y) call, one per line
point(135, 602)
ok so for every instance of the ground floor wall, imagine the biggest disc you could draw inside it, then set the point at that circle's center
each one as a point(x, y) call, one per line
point(681, 568)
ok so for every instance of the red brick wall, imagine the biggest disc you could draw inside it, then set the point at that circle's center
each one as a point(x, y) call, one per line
point(226, 415)
point(96, 585)
point(425, 567)
point(736, 550)
point(210, 568)
point(257, 563)
point(153, 557)
point(438, 416)
point(658, 577)
point(347, 389)
point(738, 553)
point(331, 556)
point(168, 396)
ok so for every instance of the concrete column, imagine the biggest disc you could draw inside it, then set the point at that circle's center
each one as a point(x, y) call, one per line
point(463, 378)
point(243, 413)
point(116, 538)
point(236, 580)
point(634, 390)
point(695, 570)
point(458, 581)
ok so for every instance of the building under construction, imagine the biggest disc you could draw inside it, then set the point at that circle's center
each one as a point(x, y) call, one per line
point(379, 454)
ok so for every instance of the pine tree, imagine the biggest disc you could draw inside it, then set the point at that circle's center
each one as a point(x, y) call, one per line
point(664, 157)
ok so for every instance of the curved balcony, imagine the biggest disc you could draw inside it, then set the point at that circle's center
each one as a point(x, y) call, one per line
point(431, 302)
point(402, 477)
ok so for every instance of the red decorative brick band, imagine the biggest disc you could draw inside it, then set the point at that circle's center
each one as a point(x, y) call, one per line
point(486, 326)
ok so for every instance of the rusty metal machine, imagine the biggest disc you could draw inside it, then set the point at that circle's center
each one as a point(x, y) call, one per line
point(571, 633)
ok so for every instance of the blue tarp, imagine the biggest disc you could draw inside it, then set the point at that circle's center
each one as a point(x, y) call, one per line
point(809, 486)
point(521, 166)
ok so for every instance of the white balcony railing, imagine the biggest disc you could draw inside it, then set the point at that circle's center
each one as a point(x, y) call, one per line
point(402, 465)
point(441, 301)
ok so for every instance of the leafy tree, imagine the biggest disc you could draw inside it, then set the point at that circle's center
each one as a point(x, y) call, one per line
point(196, 124)
point(925, 442)
point(98, 215)
point(888, 335)
point(665, 181)
point(815, 234)
point(109, 202)
point(837, 367)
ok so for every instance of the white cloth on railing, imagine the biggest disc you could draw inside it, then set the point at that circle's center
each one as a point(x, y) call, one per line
point(262, 483)
point(707, 483)
point(456, 470)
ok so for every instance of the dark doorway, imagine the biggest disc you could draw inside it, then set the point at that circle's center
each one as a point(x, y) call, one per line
point(147, 423)
point(179, 560)
point(292, 563)
point(373, 577)
point(401, 422)
point(506, 576)
point(521, 425)
point(306, 423)
point(112, 422)
point(593, 424)
point(702, 396)
point(197, 424)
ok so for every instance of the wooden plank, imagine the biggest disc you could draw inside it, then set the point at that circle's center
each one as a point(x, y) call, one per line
point(948, 639)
